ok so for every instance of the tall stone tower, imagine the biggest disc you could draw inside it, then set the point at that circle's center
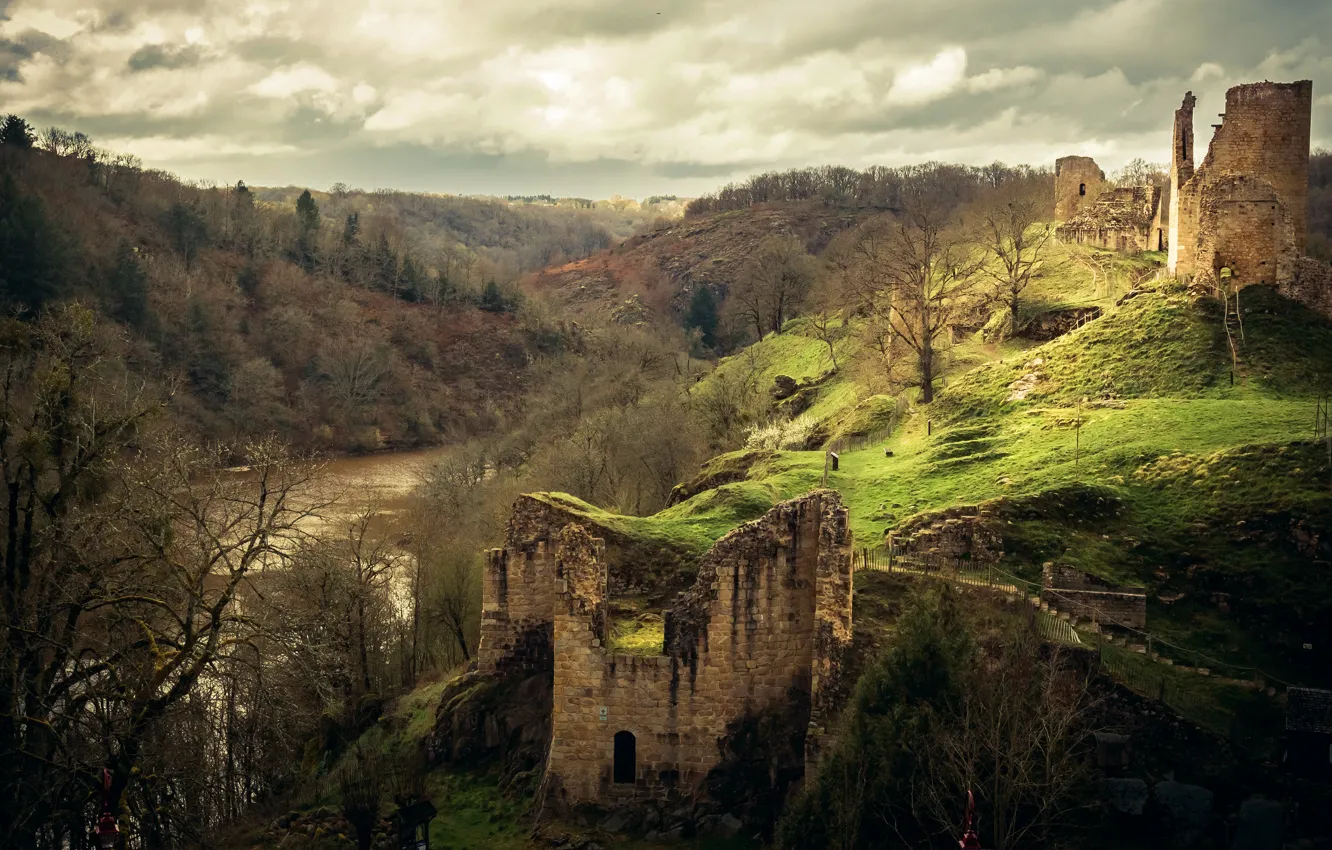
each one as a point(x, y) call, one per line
point(1078, 182)
point(1244, 209)
point(1181, 171)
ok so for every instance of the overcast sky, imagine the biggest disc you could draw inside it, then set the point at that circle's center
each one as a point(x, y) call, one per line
point(594, 97)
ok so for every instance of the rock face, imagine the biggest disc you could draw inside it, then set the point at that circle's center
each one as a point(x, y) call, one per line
point(761, 634)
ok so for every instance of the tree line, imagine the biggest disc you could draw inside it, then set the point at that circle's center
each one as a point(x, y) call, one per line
point(877, 187)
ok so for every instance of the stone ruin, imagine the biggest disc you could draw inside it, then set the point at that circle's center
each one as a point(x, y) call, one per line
point(764, 627)
point(1127, 218)
point(1238, 219)
point(1079, 181)
point(1243, 213)
point(1085, 597)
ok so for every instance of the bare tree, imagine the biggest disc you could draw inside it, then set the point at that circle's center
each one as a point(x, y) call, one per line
point(919, 259)
point(1017, 741)
point(824, 319)
point(774, 282)
point(125, 552)
point(1010, 232)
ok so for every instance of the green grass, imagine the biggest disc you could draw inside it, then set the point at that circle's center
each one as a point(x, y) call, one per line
point(472, 813)
point(1163, 436)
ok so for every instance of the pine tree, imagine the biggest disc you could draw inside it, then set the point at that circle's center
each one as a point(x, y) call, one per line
point(351, 229)
point(187, 229)
point(307, 215)
point(15, 131)
point(127, 288)
point(703, 315)
point(307, 212)
point(32, 256)
point(492, 298)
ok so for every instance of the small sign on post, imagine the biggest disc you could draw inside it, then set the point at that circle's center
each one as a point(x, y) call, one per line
point(602, 711)
point(834, 457)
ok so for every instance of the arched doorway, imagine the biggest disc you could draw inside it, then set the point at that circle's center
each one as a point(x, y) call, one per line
point(625, 767)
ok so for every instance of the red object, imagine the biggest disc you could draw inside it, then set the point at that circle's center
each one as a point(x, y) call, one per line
point(970, 841)
point(108, 832)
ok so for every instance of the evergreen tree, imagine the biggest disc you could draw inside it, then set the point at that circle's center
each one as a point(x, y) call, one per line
point(493, 300)
point(15, 131)
point(31, 251)
point(127, 288)
point(244, 197)
point(187, 230)
point(411, 279)
point(384, 264)
point(307, 212)
point(351, 229)
point(703, 315)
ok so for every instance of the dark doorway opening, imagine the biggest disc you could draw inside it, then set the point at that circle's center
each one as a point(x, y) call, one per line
point(624, 757)
point(1082, 188)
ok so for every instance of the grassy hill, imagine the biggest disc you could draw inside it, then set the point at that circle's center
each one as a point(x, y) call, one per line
point(1205, 489)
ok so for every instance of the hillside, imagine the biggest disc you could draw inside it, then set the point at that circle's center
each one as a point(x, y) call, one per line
point(381, 336)
point(664, 264)
point(1204, 488)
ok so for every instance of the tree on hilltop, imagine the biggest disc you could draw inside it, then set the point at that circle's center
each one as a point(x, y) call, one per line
point(774, 283)
point(15, 131)
point(1010, 232)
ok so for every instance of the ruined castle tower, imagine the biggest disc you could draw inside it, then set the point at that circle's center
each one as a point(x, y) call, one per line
point(764, 628)
point(1245, 207)
point(1078, 182)
point(1181, 172)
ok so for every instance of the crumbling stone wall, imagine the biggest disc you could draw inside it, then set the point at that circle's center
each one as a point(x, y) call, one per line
point(766, 623)
point(1120, 219)
point(517, 598)
point(1080, 595)
point(1245, 207)
point(966, 532)
point(1079, 181)
point(518, 580)
point(1311, 285)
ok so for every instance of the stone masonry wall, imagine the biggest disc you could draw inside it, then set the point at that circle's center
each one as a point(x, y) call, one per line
point(1120, 219)
point(967, 532)
point(517, 598)
point(1311, 286)
point(1182, 220)
point(1245, 207)
point(769, 615)
point(1078, 182)
point(1083, 596)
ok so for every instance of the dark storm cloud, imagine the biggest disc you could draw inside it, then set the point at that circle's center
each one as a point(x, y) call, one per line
point(540, 95)
point(152, 56)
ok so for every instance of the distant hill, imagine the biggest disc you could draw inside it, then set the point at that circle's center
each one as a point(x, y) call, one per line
point(667, 262)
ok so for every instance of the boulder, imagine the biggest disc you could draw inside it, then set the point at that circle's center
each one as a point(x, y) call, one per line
point(1127, 796)
point(1186, 808)
point(783, 387)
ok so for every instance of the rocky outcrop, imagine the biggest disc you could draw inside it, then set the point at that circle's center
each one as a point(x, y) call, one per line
point(494, 717)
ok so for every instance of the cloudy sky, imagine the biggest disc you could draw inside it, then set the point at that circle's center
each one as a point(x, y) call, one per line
point(593, 97)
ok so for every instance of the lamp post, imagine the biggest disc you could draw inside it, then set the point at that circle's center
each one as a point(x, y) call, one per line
point(107, 832)
point(970, 841)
